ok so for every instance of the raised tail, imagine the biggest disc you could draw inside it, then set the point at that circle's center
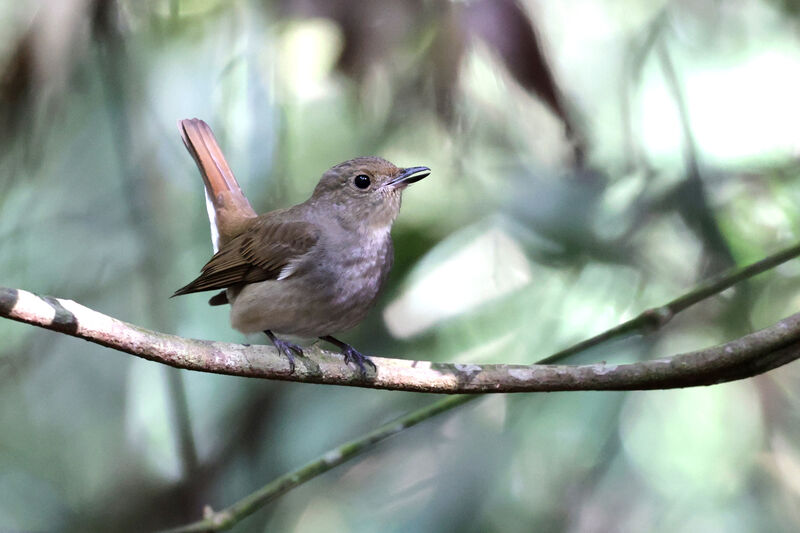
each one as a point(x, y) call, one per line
point(228, 209)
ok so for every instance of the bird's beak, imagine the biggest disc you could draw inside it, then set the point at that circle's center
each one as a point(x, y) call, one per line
point(409, 175)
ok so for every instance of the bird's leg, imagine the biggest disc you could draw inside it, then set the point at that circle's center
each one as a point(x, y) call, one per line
point(286, 348)
point(351, 354)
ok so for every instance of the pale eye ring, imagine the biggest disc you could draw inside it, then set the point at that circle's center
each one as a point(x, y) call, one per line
point(361, 181)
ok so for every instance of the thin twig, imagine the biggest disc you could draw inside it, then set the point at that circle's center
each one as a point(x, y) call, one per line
point(226, 518)
point(657, 317)
point(752, 354)
point(217, 521)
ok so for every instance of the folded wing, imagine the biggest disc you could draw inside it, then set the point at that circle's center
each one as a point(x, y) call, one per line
point(269, 250)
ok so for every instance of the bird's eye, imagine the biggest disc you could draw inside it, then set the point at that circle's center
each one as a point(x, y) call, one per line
point(361, 181)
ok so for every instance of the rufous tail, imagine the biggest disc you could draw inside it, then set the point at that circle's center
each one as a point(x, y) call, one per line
point(229, 212)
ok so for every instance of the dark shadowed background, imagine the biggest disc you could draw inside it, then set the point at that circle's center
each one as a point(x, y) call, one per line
point(590, 159)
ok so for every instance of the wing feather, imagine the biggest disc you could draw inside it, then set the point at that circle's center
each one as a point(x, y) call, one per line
point(260, 253)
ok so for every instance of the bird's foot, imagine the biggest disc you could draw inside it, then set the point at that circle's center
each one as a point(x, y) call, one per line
point(351, 354)
point(289, 349)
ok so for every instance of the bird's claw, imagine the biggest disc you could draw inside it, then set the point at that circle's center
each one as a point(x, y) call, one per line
point(289, 349)
point(353, 355)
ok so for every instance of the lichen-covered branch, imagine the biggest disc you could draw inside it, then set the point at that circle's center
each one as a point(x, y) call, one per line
point(744, 357)
point(650, 320)
point(226, 518)
point(750, 355)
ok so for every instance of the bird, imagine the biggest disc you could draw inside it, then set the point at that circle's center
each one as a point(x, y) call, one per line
point(311, 270)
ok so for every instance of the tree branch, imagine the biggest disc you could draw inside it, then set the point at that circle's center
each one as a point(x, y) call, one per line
point(52, 314)
point(657, 317)
point(745, 357)
point(649, 320)
point(226, 518)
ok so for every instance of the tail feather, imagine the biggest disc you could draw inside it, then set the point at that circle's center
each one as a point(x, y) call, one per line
point(228, 208)
point(221, 298)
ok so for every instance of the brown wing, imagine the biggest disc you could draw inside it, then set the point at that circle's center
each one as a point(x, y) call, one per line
point(259, 254)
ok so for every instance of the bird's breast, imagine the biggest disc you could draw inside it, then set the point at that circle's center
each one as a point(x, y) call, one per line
point(330, 291)
point(359, 268)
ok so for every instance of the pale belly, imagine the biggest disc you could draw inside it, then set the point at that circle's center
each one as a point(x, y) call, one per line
point(314, 302)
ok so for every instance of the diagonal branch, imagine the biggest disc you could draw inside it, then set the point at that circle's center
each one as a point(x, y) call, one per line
point(657, 317)
point(739, 359)
point(226, 518)
point(745, 357)
point(650, 320)
point(753, 354)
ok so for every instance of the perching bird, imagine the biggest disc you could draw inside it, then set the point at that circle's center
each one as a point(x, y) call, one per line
point(311, 270)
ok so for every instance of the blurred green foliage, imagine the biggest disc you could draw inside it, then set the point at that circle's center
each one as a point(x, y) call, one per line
point(590, 159)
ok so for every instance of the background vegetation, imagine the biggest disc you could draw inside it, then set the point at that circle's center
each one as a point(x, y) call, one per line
point(590, 160)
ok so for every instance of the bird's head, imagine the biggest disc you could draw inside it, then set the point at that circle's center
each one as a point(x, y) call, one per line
point(365, 192)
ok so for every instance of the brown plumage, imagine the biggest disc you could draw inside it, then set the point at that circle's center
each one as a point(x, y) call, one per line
point(311, 270)
point(266, 247)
